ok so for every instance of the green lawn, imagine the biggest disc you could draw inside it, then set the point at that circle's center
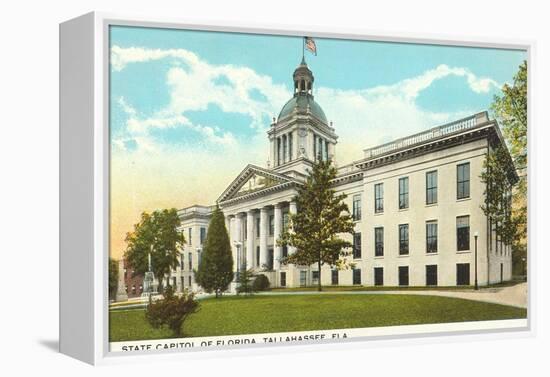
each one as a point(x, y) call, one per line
point(268, 314)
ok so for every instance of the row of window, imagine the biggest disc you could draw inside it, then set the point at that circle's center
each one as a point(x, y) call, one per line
point(462, 275)
point(284, 149)
point(271, 221)
point(189, 260)
point(462, 190)
point(320, 148)
point(202, 235)
point(462, 238)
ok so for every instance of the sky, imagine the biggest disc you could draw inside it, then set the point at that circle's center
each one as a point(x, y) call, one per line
point(190, 109)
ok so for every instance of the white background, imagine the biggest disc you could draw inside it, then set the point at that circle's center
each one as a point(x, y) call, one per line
point(29, 187)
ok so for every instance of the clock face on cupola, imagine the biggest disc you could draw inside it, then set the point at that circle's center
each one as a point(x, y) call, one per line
point(301, 132)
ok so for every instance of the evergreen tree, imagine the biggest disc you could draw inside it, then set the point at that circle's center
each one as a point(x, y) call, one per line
point(321, 216)
point(215, 272)
point(156, 234)
point(245, 282)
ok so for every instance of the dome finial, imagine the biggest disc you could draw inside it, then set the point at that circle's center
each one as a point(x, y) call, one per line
point(303, 61)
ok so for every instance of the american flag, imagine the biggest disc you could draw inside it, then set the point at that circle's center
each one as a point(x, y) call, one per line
point(310, 45)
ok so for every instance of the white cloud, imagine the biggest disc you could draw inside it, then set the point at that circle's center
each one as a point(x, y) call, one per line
point(362, 118)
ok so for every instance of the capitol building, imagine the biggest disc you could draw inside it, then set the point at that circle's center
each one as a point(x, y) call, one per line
point(416, 203)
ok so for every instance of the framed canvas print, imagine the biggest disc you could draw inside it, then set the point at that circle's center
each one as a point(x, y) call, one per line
point(225, 187)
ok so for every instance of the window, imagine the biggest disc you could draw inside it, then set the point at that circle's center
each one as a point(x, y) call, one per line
point(190, 280)
point(303, 278)
point(278, 151)
point(257, 227)
point(271, 225)
point(378, 198)
point(334, 276)
point(174, 282)
point(257, 256)
point(290, 147)
point(182, 284)
point(314, 277)
point(285, 220)
point(357, 207)
point(431, 187)
point(431, 274)
point(463, 181)
point(379, 242)
point(431, 237)
point(190, 261)
point(463, 233)
point(285, 150)
point(182, 265)
point(404, 193)
point(285, 251)
point(404, 275)
point(315, 156)
point(203, 235)
point(356, 276)
point(378, 276)
point(463, 274)
point(270, 256)
point(403, 239)
point(357, 245)
point(190, 238)
point(199, 258)
point(283, 279)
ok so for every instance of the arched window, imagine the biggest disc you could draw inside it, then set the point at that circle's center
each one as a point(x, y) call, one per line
point(303, 85)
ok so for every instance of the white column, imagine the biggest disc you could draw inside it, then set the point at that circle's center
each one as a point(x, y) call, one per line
point(264, 223)
point(239, 240)
point(293, 210)
point(278, 219)
point(250, 239)
point(232, 234)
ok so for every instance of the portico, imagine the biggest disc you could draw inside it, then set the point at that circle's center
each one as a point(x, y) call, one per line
point(254, 233)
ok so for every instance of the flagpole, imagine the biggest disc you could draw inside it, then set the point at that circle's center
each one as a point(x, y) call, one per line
point(303, 48)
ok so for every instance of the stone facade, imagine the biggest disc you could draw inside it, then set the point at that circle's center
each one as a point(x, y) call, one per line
point(416, 203)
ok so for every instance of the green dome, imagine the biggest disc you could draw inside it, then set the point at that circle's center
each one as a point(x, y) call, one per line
point(301, 101)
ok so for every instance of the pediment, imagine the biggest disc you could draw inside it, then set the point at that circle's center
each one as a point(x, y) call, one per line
point(254, 179)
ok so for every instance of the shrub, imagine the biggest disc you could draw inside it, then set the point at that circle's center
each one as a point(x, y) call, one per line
point(172, 310)
point(261, 283)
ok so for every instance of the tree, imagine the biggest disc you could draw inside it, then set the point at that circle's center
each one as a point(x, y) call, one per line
point(245, 282)
point(321, 216)
point(215, 272)
point(113, 278)
point(510, 109)
point(172, 310)
point(156, 233)
point(497, 178)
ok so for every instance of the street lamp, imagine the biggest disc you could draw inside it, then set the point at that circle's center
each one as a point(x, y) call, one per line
point(476, 287)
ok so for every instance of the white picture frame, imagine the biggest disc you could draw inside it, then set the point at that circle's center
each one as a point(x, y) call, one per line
point(84, 189)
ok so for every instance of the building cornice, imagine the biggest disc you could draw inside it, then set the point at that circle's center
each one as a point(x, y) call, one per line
point(259, 193)
point(247, 172)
